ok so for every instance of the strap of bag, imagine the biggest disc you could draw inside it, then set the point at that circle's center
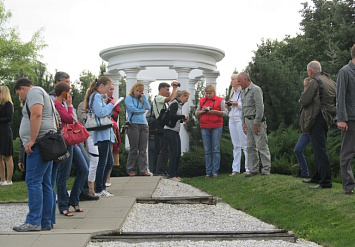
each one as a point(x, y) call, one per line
point(156, 106)
point(55, 117)
point(320, 87)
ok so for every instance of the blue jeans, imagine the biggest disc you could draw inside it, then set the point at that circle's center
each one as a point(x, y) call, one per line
point(174, 143)
point(211, 139)
point(53, 180)
point(64, 169)
point(301, 145)
point(40, 190)
point(104, 165)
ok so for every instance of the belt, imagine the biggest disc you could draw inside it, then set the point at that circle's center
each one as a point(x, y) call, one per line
point(250, 117)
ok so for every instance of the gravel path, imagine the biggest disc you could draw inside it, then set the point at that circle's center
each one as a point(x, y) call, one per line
point(193, 217)
point(171, 217)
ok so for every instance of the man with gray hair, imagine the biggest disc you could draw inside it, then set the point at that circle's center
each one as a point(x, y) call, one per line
point(322, 87)
point(346, 121)
point(254, 126)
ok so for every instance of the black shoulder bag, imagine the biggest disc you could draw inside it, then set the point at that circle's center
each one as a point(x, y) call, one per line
point(52, 145)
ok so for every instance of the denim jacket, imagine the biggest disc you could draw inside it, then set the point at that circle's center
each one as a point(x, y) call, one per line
point(101, 109)
point(135, 107)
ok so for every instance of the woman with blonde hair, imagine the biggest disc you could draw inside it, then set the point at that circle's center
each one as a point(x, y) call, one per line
point(239, 138)
point(171, 132)
point(136, 105)
point(6, 145)
point(104, 138)
point(211, 111)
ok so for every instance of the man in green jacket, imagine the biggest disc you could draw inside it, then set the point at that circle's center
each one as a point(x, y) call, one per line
point(320, 84)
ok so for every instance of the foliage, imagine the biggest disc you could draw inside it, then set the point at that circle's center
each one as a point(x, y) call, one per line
point(279, 67)
point(16, 57)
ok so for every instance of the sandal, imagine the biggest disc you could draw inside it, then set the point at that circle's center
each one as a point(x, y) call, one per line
point(66, 212)
point(77, 208)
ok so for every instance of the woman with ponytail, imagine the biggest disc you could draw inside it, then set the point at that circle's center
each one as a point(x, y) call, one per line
point(103, 139)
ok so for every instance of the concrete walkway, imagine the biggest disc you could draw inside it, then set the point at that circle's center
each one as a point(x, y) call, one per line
point(103, 216)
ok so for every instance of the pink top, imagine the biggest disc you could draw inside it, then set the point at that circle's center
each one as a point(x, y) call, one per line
point(65, 115)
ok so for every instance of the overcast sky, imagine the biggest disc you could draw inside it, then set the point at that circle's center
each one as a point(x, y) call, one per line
point(77, 30)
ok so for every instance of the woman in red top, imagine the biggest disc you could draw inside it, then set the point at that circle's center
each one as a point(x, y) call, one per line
point(211, 110)
point(65, 111)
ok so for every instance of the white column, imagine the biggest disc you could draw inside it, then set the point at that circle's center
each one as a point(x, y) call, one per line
point(131, 79)
point(183, 78)
point(211, 78)
point(115, 77)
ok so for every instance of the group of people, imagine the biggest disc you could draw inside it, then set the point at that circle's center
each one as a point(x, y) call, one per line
point(41, 111)
point(247, 124)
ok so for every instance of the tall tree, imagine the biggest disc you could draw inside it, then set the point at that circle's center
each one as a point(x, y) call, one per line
point(16, 57)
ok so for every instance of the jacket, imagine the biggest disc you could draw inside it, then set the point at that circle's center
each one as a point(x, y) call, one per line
point(312, 104)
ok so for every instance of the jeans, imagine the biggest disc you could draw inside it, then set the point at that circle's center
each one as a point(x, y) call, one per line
point(40, 190)
point(173, 139)
point(211, 139)
point(104, 165)
point(301, 145)
point(64, 169)
point(87, 159)
point(53, 180)
point(318, 137)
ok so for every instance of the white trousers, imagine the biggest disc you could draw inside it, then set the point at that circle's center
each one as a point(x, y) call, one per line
point(239, 140)
point(94, 160)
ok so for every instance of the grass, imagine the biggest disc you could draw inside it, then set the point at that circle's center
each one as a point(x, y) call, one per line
point(324, 216)
point(18, 191)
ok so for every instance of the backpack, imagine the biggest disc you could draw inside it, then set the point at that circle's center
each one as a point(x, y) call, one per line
point(154, 124)
point(165, 117)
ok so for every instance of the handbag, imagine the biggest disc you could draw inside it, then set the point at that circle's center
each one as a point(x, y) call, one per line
point(74, 133)
point(92, 122)
point(52, 146)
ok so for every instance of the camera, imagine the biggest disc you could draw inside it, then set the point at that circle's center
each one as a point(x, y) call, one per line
point(229, 103)
point(176, 84)
point(208, 108)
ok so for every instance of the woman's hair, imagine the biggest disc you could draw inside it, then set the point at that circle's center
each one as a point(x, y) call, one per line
point(5, 95)
point(134, 87)
point(234, 76)
point(180, 93)
point(93, 88)
point(60, 88)
point(210, 88)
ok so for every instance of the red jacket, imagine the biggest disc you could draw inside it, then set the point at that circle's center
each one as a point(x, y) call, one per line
point(210, 121)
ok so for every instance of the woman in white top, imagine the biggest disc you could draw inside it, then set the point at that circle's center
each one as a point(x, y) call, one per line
point(239, 139)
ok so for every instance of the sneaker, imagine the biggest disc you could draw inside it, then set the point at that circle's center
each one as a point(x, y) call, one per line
point(26, 227)
point(107, 184)
point(104, 193)
point(3, 182)
point(6, 183)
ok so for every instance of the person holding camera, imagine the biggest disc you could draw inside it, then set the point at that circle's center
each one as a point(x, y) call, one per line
point(239, 138)
point(136, 105)
point(171, 132)
point(161, 153)
point(211, 111)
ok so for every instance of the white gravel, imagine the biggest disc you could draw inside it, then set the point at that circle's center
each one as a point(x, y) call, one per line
point(12, 214)
point(173, 217)
point(193, 217)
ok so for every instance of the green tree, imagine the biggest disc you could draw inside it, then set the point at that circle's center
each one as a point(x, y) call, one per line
point(16, 57)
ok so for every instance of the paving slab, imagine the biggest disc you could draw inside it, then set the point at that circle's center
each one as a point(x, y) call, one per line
point(99, 217)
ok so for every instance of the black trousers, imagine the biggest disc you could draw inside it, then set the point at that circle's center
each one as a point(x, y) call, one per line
point(318, 136)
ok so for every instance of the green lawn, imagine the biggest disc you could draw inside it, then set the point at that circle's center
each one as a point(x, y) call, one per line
point(325, 216)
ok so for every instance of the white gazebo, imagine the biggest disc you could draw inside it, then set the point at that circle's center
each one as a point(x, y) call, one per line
point(150, 62)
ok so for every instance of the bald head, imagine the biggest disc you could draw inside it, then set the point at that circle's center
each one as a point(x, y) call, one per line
point(243, 79)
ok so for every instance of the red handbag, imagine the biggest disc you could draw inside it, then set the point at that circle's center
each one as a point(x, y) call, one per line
point(74, 133)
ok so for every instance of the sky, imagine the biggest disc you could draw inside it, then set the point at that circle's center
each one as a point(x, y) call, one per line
point(77, 30)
